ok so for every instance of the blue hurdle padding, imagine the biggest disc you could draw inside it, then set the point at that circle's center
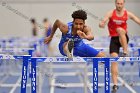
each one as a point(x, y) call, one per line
point(106, 71)
point(84, 59)
point(24, 73)
point(95, 75)
point(33, 75)
point(139, 63)
point(107, 75)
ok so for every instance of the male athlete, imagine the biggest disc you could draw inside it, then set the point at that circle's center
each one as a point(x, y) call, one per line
point(117, 26)
point(73, 33)
point(47, 27)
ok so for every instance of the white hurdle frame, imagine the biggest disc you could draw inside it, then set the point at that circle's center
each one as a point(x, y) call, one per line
point(107, 61)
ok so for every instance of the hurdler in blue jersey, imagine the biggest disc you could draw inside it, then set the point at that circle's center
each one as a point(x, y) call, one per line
point(73, 33)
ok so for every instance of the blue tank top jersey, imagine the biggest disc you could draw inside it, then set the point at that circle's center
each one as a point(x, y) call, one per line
point(80, 48)
point(65, 37)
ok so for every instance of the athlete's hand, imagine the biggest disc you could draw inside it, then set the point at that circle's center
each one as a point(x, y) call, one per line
point(81, 34)
point(47, 40)
point(102, 24)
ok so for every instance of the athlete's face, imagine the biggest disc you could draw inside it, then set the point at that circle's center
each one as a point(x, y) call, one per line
point(119, 5)
point(78, 24)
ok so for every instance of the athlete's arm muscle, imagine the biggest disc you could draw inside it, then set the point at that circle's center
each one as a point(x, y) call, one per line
point(105, 19)
point(57, 24)
point(134, 17)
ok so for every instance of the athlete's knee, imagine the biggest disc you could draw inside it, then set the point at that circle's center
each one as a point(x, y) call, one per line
point(101, 54)
point(121, 31)
point(114, 54)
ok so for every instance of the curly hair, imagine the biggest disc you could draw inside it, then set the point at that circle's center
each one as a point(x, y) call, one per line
point(45, 20)
point(33, 20)
point(79, 14)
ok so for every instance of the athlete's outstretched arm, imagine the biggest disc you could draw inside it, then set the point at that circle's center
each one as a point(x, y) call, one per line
point(105, 19)
point(57, 24)
point(134, 18)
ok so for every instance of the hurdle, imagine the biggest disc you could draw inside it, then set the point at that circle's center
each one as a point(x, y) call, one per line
point(24, 70)
point(34, 42)
point(25, 63)
point(17, 51)
point(64, 59)
point(95, 61)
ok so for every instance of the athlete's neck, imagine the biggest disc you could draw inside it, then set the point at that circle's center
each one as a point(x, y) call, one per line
point(74, 32)
point(120, 13)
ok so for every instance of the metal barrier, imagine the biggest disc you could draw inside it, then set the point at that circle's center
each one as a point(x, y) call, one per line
point(34, 60)
point(24, 68)
point(95, 61)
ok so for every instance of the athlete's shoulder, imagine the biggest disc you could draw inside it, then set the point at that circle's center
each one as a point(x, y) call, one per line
point(130, 15)
point(128, 12)
point(110, 13)
point(63, 27)
point(125, 10)
point(87, 28)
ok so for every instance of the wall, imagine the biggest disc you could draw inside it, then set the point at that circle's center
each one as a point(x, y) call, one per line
point(14, 17)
